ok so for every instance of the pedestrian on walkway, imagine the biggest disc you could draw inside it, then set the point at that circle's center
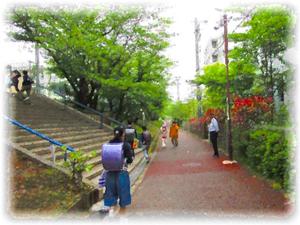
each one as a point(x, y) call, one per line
point(130, 135)
point(117, 182)
point(174, 130)
point(164, 133)
point(146, 141)
point(27, 84)
point(213, 129)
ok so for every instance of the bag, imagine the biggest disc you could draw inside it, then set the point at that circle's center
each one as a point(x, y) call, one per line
point(27, 80)
point(135, 143)
point(129, 135)
point(112, 156)
point(102, 179)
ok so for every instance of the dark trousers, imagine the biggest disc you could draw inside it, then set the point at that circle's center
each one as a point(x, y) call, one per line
point(174, 141)
point(27, 89)
point(214, 140)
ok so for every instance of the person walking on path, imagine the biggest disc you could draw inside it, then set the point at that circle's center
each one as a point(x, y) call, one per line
point(130, 135)
point(164, 133)
point(146, 141)
point(174, 129)
point(117, 183)
point(213, 129)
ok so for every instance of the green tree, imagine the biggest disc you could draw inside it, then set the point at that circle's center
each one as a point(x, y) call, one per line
point(182, 110)
point(106, 56)
point(264, 45)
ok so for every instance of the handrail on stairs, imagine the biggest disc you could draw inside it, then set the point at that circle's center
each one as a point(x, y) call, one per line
point(67, 98)
point(43, 136)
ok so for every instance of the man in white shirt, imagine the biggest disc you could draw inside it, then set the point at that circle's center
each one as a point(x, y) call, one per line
point(213, 129)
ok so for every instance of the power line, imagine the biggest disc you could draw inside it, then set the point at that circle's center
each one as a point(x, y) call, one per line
point(248, 14)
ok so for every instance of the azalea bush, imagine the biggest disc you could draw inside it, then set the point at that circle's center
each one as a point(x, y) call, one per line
point(199, 125)
point(246, 113)
point(250, 111)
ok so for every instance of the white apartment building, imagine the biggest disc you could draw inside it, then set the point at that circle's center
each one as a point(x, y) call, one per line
point(214, 47)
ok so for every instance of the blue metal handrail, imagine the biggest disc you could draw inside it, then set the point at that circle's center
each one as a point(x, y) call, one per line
point(32, 131)
point(66, 97)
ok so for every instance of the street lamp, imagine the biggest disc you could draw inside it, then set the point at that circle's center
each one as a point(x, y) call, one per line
point(143, 116)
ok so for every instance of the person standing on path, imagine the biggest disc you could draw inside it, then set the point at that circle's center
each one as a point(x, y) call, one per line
point(174, 133)
point(213, 129)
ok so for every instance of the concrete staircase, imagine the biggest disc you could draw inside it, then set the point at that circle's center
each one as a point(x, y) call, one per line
point(63, 124)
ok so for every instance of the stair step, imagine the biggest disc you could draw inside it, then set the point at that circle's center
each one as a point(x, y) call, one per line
point(27, 136)
point(18, 131)
point(62, 137)
point(60, 153)
point(87, 148)
point(95, 172)
point(95, 160)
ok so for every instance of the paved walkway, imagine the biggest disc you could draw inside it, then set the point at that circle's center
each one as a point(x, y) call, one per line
point(187, 180)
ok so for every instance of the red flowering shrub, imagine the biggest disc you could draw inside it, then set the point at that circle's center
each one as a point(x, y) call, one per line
point(218, 113)
point(251, 110)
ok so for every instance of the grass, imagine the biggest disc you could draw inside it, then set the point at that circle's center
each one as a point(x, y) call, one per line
point(38, 189)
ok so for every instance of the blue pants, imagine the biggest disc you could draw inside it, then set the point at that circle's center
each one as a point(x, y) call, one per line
point(145, 150)
point(117, 186)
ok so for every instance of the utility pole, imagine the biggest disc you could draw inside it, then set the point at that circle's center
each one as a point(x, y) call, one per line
point(229, 135)
point(177, 86)
point(198, 50)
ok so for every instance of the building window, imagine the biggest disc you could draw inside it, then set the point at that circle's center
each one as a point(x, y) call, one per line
point(214, 58)
point(214, 43)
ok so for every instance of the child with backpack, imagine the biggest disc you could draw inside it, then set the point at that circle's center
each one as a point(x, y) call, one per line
point(116, 155)
point(130, 135)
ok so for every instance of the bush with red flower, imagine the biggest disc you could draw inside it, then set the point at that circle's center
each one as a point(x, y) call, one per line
point(218, 113)
point(250, 111)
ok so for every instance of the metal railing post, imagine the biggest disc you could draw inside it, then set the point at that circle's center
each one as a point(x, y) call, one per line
point(53, 156)
point(65, 156)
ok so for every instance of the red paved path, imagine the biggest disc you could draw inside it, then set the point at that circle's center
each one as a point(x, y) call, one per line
point(188, 180)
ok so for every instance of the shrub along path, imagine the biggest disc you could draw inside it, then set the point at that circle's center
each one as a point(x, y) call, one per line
point(187, 180)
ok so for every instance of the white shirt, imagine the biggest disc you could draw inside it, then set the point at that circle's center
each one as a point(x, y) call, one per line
point(213, 126)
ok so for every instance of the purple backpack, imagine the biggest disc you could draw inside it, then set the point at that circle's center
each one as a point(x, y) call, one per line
point(112, 156)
